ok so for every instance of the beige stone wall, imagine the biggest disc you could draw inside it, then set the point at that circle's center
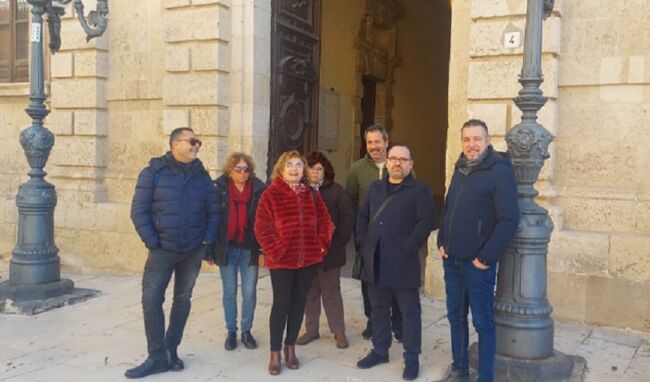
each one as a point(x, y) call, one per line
point(593, 184)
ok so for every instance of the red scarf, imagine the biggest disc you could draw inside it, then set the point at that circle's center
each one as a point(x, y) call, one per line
point(238, 211)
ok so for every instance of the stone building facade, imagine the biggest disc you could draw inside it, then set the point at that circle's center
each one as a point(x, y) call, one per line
point(435, 63)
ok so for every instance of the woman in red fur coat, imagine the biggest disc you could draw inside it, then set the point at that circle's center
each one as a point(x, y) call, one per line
point(294, 229)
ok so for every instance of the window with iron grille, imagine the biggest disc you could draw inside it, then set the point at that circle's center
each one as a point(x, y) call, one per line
point(14, 41)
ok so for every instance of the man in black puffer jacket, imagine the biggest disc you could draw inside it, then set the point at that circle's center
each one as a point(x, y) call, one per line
point(479, 219)
point(176, 214)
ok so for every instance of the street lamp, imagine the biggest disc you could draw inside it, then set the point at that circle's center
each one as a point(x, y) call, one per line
point(523, 320)
point(35, 282)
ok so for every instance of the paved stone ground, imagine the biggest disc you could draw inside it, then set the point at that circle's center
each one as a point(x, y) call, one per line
point(98, 340)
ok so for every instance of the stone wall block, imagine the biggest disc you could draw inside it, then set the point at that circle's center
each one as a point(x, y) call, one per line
point(210, 121)
point(628, 257)
point(173, 118)
point(176, 3)
point(74, 38)
point(498, 78)
point(225, 3)
point(617, 301)
point(91, 122)
point(108, 216)
point(79, 93)
point(202, 23)
point(578, 252)
point(60, 122)
point(91, 64)
point(61, 65)
point(495, 116)
point(636, 70)
point(486, 36)
point(177, 58)
point(497, 8)
point(612, 70)
point(79, 151)
point(211, 56)
point(10, 211)
point(204, 88)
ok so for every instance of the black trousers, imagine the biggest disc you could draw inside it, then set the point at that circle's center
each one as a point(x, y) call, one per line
point(409, 303)
point(290, 289)
point(395, 315)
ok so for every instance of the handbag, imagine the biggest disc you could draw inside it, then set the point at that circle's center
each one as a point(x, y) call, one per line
point(357, 268)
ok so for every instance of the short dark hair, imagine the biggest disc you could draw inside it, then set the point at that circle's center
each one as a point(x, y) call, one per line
point(177, 133)
point(315, 157)
point(376, 127)
point(400, 145)
point(475, 122)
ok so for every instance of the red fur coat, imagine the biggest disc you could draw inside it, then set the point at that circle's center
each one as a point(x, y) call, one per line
point(293, 231)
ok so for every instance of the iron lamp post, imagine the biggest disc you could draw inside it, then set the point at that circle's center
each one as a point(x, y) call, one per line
point(35, 283)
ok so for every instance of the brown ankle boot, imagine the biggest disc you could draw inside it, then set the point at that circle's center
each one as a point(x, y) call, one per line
point(341, 340)
point(274, 363)
point(290, 356)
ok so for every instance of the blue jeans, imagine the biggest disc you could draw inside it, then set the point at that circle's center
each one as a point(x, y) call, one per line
point(470, 287)
point(158, 271)
point(239, 262)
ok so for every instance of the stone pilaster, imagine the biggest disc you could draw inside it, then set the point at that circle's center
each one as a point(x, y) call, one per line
point(79, 117)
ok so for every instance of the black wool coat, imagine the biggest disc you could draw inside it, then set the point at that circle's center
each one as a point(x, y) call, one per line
point(340, 209)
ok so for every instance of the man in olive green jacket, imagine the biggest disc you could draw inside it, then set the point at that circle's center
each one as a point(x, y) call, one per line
point(362, 173)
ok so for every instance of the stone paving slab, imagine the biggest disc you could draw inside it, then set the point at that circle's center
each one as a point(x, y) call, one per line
point(98, 340)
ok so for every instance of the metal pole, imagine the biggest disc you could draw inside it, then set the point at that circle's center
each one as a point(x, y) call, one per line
point(522, 311)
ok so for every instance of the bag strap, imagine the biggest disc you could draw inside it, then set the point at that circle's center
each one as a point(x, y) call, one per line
point(382, 206)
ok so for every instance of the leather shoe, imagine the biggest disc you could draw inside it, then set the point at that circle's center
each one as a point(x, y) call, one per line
point(231, 341)
point(306, 338)
point(458, 376)
point(341, 340)
point(248, 340)
point(274, 363)
point(290, 357)
point(148, 367)
point(372, 359)
point(175, 363)
point(398, 337)
point(411, 371)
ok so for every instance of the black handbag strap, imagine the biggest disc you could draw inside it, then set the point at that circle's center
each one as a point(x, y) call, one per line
point(382, 206)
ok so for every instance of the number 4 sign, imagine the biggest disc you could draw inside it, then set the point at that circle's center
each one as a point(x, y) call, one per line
point(512, 39)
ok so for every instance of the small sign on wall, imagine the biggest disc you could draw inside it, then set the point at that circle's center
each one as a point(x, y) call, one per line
point(511, 37)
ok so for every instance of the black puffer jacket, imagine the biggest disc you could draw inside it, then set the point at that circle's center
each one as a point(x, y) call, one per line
point(175, 205)
point(220, 252)
point(340, 209)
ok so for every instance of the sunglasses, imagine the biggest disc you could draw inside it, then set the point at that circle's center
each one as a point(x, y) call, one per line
point(240, 169)
point(192, 141)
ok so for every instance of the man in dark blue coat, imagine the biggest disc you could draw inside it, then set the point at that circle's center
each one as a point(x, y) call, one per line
point(479, 219)
point(176, 214)
point(392, 225)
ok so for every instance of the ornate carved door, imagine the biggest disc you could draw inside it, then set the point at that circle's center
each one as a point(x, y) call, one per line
point(295, 63)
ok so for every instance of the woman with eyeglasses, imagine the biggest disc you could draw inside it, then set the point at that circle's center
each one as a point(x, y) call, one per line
point(237, 251)
point(295, 231)
point(327, 282)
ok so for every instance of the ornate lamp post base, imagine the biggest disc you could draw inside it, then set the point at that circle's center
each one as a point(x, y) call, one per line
point(559, 367)
point(38, 298)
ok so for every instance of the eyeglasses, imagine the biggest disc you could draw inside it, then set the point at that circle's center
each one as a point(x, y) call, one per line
point(401, 160)
point(241, 169)
point(192, 141)
point(297, 165)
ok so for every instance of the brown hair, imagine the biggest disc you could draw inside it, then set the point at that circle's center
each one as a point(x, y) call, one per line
point(234, 158)
point(282, 161)
point(315, 157)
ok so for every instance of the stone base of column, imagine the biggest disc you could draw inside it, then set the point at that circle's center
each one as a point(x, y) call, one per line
point(38, 298)
point(559, 367)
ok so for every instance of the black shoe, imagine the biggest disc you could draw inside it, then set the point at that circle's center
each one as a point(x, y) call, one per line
point(458, 376)
point(148, 367)
point(398, 337)
point(367, 332)
point(231, 341)
point(248, 340)
point(175, 363)
point(411, 371)
point(372, 359)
